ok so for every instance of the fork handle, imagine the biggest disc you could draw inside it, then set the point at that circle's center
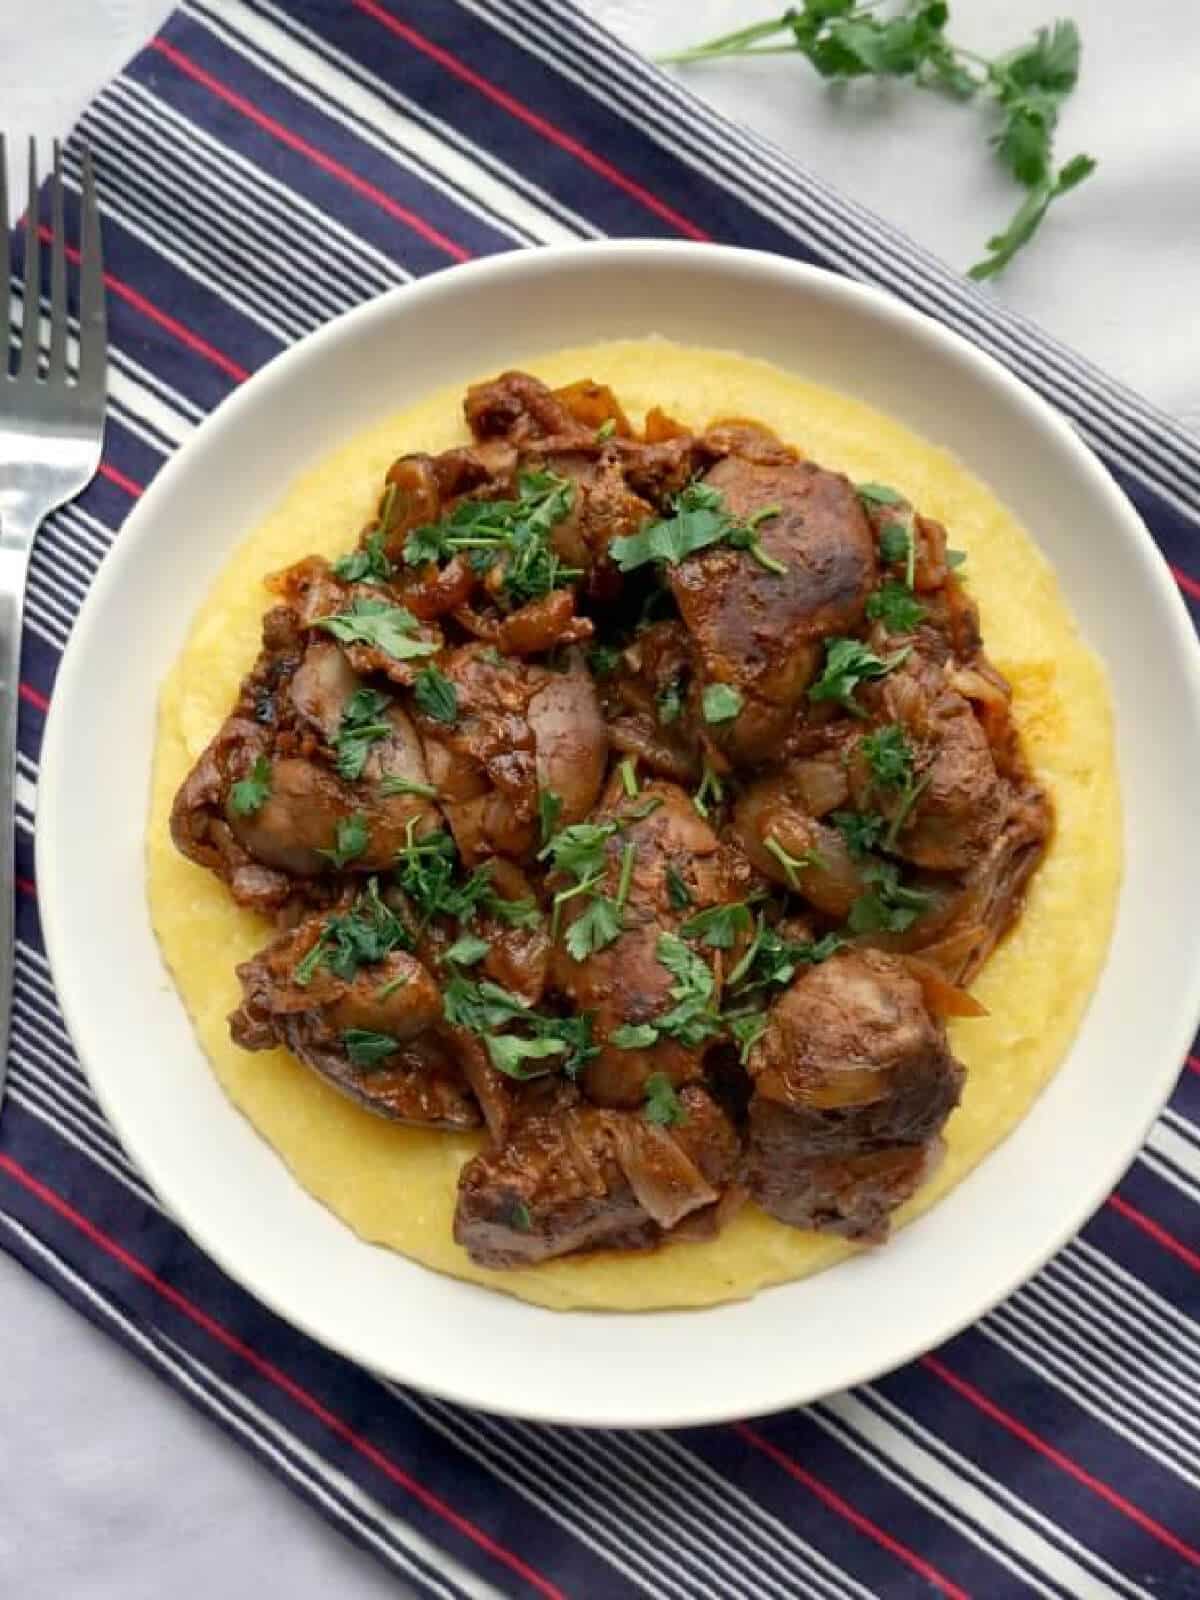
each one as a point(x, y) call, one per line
point(13, 564)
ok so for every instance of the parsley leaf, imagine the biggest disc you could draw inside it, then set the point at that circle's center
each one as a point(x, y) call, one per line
point(747, 1031)
point(772, 960)
point(847, 664)
point(879, 494)
point(1002, 247)
point(719, 926)
point(393, 783)
point(367, 1049)
point(362, 724)
point(894, 543)
point(351, 840)
point(678, 893)
point(369, 564)
point(721, 702)
point(365, 934)
point(513, 533)
point(887, 906)
point(436, 695)
point(603, 660)
point(691, 1020)
point(467, 950)
point(895, 605)
point(669, 702)
point(380, 625)
point(519, 1217)
point(425, 871)
point(251, 793)
point(579, 849)
point(549, 810)
point(510, 1053)
point(711, 789)
point(599, 925)
point(634, 1036)
point(699, 518)
point(663, 1105)
point(861, 830)
point(484, 1007)
point(889, 756)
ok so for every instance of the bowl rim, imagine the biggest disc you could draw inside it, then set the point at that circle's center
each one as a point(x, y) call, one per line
point(487, 275)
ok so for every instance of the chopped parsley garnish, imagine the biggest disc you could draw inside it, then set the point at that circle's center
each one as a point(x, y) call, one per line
point(711, 791)
point(691, 1019)
point(251, 793)
point(634, 1036)
point(367, 1049)
point(847, 664)
point(889, 756)
point(721, 702)
point(792, 865)
point(603, 660)
point(579, 849)
point(678, 893)
point(669, 702)
point(362, 936)
point(606, 429)
point(770, 959)
point(369, 564)
point(895, 605)
point(699, 518)
point(862, 830)
point(513, 533)
point(426, 871)
point(628, 771)
point(955, 558)
point(747, 1030)
point(483, 1007)
point(886, 906)
point(362, 724)
point(436, 695)
point(719, 926)
point(351, 839)
point(879, 494)
point(467, 950)
point(549, 810)
point(394, 784)
point(519, 1218)
point(895, 543)
point(595, 927)
point(663, 1105)
point(380, 625)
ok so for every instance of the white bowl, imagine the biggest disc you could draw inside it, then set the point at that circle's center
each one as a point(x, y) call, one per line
point(233, 1194)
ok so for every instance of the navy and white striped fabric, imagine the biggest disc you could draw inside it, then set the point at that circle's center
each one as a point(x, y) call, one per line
point(263, 166)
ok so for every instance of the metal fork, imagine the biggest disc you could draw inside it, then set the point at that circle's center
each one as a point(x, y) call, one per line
point(51, 433)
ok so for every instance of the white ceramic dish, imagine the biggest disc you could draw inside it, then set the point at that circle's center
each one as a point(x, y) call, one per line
point(231, 1192)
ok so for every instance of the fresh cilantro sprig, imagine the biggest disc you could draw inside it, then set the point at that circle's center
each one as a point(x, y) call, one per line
point(844, 39)
point(251, 793)
point(379, 624)
point(847, 664)
point(699, 518)
point(348, 940)
point(550, 1043)
point(361, 726)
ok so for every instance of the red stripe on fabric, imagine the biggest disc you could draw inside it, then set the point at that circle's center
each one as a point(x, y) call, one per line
point(1194, 1063)
point(26, 885)
point(115, 475)
point(1187, 583)
point(277, 1376)
point(294, 141)
point(531, 119)
point(35, 697)
point(834, 1501)
point(1156, 1231)
point(1027, 1436)
point(172, 324)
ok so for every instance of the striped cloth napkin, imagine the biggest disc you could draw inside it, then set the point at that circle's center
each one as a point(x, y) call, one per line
point(264, 166)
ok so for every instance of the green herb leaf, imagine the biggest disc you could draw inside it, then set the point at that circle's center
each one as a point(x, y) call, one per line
point(579, 849)
point(351, 840)
point(369, 564)
point(366, 934)
point(889, 756)
point(880, 494)
point(719, 926)
point(1029, 216)
point(887, 906)
point(721, 702)
point(747, 1031)
point(606, 429)
point(861, 830)
point(394, 784)
point(955, 559)
point(669, 702)
point(367, 1049)
point(436, 695)
point(380, 625)
point(519, 1217)
point(361, 726)
point(771, 960)
point(595, 928)
point(603, 660)
point(513, 533)
point(895, 543)
point(510, 1054)
point(251, 794)
point(663, 1105)
point(628, 772)
point(634, 1036)
point(549, 810)
point(847, 664)
point(896, 607)
point(691, 1020)
point(711, 791)
point(678, 894)
point(467, 950)
point(699, 518)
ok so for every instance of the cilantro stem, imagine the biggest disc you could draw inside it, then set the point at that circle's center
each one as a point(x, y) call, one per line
point(628, 856)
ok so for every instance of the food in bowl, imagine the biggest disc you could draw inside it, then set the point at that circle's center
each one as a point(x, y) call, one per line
point(654, 850)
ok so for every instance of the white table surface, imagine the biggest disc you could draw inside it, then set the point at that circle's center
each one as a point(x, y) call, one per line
point(111, 1488)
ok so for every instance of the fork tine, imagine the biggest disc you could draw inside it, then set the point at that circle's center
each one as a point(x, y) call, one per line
point(57, 369)
point(5, 262)
point(32, 288)
point(93, 336)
